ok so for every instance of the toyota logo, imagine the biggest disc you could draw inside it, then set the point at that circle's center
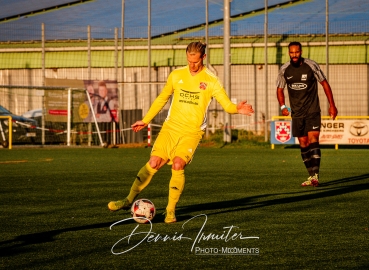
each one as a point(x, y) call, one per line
point(359, 129)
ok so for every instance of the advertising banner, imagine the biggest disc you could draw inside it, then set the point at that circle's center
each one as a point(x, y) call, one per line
point(56, 101)
point(281, 132)
point(344, 132)
point(104, 99)
point(339, 131)
point(103, 95)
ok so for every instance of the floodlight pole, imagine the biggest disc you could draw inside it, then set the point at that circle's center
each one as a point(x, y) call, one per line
point(227, 68)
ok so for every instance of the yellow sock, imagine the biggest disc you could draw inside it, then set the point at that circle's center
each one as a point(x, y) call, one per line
point(143, 178)
point(176, 185)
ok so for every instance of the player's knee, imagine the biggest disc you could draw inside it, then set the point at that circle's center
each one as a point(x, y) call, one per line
point(314, 140)
point(155, 163)
point(304, 145)
point(304, 141)
point(313, 137)
point(178, 164)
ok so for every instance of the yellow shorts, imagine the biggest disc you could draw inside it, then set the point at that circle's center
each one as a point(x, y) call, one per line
point(170, 144)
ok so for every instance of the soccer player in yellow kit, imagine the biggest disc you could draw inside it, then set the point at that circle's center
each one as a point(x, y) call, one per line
point(193, 87)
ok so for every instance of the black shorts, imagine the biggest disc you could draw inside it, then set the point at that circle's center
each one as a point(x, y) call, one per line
point(301, 126)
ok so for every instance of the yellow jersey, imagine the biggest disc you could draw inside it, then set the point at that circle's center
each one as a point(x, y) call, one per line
point(192, 96)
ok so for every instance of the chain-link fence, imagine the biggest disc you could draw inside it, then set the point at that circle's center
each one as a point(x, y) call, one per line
point(46, 52)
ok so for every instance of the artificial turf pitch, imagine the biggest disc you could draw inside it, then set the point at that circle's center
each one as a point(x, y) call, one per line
point(241, 209)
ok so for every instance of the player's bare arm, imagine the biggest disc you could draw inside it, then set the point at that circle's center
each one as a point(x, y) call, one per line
point(328, 92)
point(138, 126)
point(281, 100)
point(244, 108)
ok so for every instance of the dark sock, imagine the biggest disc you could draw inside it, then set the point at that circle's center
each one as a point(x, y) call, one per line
point(315, 155)
point(305, 155)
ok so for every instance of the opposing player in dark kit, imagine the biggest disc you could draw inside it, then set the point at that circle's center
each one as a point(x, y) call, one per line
point(301, 75)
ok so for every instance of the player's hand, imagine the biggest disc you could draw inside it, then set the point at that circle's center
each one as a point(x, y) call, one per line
point(333, 112)
point(285, 112)
point(244, 108)
point(138, 126)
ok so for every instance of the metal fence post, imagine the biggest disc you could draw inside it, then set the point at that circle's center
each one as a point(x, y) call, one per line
point(43, 84)
point(69, 114)
point(227, 136)
point(266, 70)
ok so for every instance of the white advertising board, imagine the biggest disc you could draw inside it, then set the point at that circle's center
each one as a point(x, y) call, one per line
point(344, 132)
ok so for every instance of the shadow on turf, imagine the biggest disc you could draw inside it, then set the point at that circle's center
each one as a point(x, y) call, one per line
point(17, 245)
point(327, 189)
point(345, 180)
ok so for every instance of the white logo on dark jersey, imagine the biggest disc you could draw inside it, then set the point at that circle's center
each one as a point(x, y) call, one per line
point(304, 77)
point(298, 86)
point(289, 77)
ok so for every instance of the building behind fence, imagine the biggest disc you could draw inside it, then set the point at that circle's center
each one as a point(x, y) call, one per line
point(28, 63)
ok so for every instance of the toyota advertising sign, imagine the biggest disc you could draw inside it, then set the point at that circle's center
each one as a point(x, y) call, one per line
point(339, 131)
point(344, 132)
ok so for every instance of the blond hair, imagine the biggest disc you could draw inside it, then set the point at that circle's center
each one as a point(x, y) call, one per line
point(196, 47)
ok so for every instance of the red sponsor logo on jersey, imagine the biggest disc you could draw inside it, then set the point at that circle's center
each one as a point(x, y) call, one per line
point(203, 86)
point(283, 131)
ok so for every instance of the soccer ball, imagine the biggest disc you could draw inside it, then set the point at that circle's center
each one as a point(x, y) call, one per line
point(143, 210)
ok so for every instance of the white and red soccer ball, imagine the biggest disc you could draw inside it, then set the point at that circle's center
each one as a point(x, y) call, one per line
point(143, 211)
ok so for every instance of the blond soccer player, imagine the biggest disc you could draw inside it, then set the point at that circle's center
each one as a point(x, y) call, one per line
point(193, 87)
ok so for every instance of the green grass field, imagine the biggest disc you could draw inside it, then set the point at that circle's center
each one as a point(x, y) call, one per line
point(54, 211)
